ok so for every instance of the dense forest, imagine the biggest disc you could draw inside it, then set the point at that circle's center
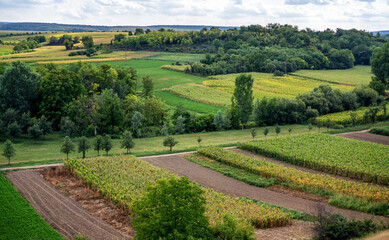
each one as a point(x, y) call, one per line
point(276, 48)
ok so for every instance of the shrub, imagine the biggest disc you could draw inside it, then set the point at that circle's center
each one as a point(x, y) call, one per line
point(278, 73)
point(172, 209)
point(231, 229)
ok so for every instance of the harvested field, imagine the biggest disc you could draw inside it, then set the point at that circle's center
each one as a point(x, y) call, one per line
point(62, 213)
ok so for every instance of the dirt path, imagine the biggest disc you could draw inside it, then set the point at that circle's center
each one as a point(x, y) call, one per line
point(366, 136)
point(209, 178)
point(62, 213)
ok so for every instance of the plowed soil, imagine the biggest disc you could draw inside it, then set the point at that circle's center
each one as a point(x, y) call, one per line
point(366, 136)
point(62, 213)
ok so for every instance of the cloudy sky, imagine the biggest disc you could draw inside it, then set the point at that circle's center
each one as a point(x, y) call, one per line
point(369, 15)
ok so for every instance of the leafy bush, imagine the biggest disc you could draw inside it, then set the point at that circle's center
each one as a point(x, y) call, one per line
point(380, 130)
point(172, 209)
point(336, 226)
point(278, 73)
point(231, 229)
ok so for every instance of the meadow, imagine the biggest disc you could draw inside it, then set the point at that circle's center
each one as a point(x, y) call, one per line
point(127, 179)
point(5, 49)
point(358, 75)
point(18, 220)
point(48, 151)
point(265, 84)
point(327, 153)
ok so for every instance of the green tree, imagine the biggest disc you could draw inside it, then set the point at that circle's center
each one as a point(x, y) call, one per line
point(25, 121)
point(171, 209)
point(45, 126)
point(58, 88)
point(170, 142)
point(83, 145)
point(199, 140)
point(14, 130)
point(164, 130)
point(67, 126)
point(180, 125)
point(353, 117)
point(278, 130)
point(227, 120)
point(148, 86)
point(328, 124)
point(253, 133)
point(68, 44)
point(310, 126)
point(8, 150)
point(87, 41)
point(380, 64)
point(373, 113)
point(218, 121)
point(127, 141)
point(98, 144)
point(35, 132)
point(106, 144)
point(242, 99)
point(265, 131)
point(110, 109)
point(19, 87)
point(136, 123)
point(67, 146)
point(290, 130)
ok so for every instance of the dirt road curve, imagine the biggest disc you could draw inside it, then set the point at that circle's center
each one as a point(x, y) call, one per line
point(209, 178)
point(62, 213)
point(366, 136)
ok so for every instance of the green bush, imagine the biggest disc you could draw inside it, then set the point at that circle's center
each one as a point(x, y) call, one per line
point(172, 209)
point(380, 130)
point(231, 229)
point(336, 226)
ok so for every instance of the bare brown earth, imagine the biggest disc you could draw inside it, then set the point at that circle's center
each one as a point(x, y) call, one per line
point(298, 230)
point(209, 178)
point(366, 136)
point(62, 213)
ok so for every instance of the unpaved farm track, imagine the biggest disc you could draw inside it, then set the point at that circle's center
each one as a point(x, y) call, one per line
point(366, 136)
point(62, 213)
point(209, 178)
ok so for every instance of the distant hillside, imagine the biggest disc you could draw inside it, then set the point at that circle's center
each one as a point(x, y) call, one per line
point(55, 27)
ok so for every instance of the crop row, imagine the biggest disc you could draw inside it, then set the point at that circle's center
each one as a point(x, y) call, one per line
point(341, 156)
point(297, 177)
point(125, 179)
point(345, 116)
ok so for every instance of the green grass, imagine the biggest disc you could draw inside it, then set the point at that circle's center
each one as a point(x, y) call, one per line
point(5, 49)
point(173, 100)
point(233, 172)
point(177, 57)
point(18, 220)
point(48, 151)
point(356, 76)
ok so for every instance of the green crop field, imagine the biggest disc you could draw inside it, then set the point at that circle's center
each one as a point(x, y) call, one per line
point(197, 107)
point(345, 116)
point(44, 151)
point(294, 176)
point(264, 85)
point(355, 76)
point(341, 156)
point(128, 178)
point(18, 220)
point(177, 57)
point(5, 49)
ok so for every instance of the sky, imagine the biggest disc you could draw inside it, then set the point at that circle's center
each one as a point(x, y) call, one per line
point(369, 15)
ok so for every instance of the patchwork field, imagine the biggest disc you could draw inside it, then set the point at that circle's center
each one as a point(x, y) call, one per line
point(5, 49)
point(355, 76)
point(128, 177)
point(341, 156)
point(297, 177)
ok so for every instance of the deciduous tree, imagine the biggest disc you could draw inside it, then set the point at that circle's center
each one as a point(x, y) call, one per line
point(242, 99)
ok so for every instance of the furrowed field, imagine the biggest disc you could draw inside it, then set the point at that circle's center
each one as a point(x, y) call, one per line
point(341, 156)
point(18, 220)
point(294, 176)
point(125, 179)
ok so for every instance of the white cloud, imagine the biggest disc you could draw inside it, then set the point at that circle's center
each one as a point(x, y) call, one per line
point(316, 14)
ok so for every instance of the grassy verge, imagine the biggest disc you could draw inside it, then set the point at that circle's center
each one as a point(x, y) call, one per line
point(358, 127)
point(18, 220)
point(48, 151)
